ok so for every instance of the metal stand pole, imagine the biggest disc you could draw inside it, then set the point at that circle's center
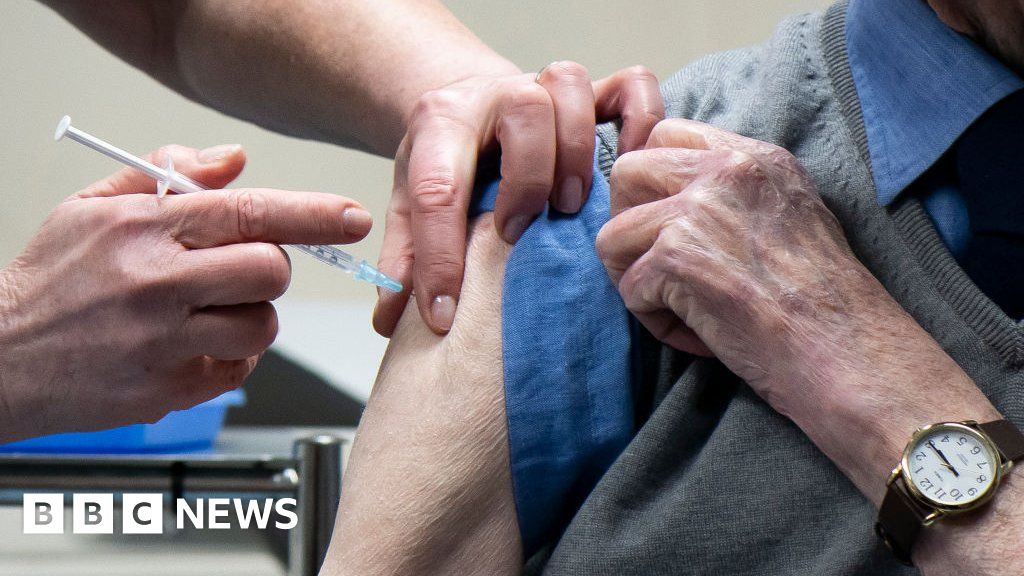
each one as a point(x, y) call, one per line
point(318, 460)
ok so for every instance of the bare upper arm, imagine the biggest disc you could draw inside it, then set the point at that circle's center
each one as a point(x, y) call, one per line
point(140, 33)
point(428, 488)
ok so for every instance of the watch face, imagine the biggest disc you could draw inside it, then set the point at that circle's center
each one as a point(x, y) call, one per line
point(951, 465)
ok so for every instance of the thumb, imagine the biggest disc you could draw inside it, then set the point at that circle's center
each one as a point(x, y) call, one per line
point(213, 167)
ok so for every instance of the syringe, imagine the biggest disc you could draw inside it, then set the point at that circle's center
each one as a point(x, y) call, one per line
point(168, 179)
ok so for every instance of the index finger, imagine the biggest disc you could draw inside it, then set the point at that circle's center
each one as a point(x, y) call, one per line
point(686, 133)
point(645, 176)
point(218, 218)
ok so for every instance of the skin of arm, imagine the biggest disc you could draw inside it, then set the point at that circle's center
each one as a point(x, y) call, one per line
point(343, 71)
point(721, 245)
point(428, 487)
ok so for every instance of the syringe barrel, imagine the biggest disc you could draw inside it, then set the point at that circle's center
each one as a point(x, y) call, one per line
point(184, 185)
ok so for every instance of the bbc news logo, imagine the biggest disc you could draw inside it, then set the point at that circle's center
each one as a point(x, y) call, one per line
point(144, 513)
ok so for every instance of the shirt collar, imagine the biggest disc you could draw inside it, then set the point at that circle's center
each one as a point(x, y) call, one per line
point(920, 85)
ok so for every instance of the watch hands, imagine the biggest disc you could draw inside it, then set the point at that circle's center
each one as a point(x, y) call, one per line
point(945, 462)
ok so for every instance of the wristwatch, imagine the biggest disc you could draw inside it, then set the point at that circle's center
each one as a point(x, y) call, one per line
point(947, 468)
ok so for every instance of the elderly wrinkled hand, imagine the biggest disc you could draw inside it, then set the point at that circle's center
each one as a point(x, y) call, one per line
point(721, 245)
point(544, 125)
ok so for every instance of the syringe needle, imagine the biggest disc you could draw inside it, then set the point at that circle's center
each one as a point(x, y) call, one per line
point(167, 178)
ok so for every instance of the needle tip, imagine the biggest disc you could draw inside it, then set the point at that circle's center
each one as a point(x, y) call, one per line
point(373, 276)
point(390, 284)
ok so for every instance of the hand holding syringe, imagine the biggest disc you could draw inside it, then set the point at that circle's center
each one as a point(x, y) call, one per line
point(167, 179)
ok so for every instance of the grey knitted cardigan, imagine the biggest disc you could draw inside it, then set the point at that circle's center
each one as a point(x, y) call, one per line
point(697, 491)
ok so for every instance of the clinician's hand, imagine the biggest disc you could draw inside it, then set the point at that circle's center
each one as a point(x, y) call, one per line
point(126, 306)
point(544, 128)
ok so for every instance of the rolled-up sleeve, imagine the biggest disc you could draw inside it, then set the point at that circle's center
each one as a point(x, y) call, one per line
point(567, 353)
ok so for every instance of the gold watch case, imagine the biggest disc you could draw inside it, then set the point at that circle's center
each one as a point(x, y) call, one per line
point(943, 509)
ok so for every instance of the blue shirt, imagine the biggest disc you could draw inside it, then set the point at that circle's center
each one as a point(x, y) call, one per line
point(920, 85)
point(566, 347)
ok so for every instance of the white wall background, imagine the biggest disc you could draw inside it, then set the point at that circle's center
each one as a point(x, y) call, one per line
point(48, 69)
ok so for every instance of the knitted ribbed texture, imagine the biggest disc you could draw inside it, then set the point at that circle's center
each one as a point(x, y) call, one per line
point(833, 33)
point(991, 324)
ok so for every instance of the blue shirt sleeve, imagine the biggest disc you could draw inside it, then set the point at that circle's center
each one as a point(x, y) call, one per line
point(566, 349)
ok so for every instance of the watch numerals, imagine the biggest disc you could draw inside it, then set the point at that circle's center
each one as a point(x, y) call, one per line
point(939, 467)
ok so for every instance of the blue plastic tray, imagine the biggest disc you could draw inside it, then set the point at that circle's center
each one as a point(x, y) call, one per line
point(185, 430)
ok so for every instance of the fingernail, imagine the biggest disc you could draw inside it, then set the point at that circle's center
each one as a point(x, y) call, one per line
point(570, 197)
point(356, 221)
point(443, 311)
point(515, 228)
point(217, 153)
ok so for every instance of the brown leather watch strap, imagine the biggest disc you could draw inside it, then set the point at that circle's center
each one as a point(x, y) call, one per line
point(1007, 438)
point(900, 519)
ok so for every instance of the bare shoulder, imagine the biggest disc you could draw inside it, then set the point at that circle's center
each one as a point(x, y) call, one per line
point(428, 489)
point(472, 350)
